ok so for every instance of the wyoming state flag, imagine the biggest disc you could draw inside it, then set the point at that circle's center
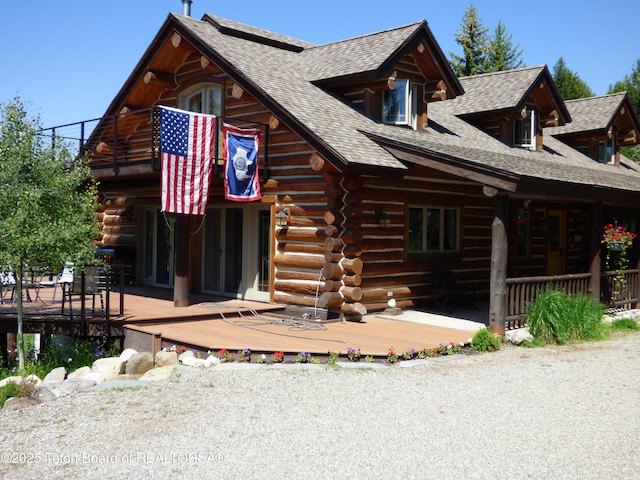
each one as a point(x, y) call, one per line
point(241, 180)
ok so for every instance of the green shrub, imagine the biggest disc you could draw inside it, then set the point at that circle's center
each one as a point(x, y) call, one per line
point(485, 341)
point(557, 317)
point(624, 324)
point(69, 352)
point(11, 389)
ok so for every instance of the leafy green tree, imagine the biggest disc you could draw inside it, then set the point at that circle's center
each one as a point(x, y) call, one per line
point(630, 84)
point(47, 202)
point(502, 54)
point(569, 84)
point(474, 41)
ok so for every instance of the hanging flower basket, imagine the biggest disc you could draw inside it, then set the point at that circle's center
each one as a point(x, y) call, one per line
point(616, 238)
point(615, 246)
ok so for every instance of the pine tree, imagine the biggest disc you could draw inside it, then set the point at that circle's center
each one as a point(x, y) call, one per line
point(569, 84)
point(630, 84)
point(502, 54)
point(472, 38)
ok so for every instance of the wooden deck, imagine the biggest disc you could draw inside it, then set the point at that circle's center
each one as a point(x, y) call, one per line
point(213, 323)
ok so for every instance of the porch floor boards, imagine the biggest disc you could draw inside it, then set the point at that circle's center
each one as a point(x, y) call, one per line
point(271, 331)
point(149, 311)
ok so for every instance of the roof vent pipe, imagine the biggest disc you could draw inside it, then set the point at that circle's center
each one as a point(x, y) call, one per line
point(186, 7)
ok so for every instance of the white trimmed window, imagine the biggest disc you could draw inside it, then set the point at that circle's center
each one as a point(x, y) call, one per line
point(203, 98)
point(524, 131)
point(606, 150)
point(433, 229)
point(400, 105)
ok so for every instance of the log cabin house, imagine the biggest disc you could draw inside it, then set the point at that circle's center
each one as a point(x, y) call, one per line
point(378, 167)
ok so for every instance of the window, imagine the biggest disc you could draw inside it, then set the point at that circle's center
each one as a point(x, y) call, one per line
point(400, 105)
point(606, 150)
point(204, 98)
point(433, 229)
point(524, 131)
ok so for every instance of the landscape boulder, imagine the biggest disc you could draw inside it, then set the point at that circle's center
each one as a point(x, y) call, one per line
point(56, 375)
point(139, 363)
point(160, 373)
point(166, 358)
point(109, 367)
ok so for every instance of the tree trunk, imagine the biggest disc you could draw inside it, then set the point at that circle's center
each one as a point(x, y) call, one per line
point(20, 336)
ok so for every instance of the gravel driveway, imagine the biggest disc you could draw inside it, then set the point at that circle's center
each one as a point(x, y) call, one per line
point(547, 413)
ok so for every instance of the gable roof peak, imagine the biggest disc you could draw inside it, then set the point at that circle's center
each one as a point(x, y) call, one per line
point(513, 71)
point(255, 34)
point(410, 26)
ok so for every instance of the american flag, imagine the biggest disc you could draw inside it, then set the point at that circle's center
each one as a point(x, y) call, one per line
point(186, 153)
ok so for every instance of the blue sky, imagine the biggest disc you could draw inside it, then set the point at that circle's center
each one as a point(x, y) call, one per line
point(67, 59)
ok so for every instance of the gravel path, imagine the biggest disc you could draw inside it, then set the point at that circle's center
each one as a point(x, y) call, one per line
point(549, 413)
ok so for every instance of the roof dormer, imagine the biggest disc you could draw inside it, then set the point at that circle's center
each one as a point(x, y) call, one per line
point(513, 105)
point(390, 76)
point(600, 126)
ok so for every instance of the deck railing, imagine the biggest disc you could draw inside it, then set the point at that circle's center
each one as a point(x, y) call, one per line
point(622, 293)
point(522, 291)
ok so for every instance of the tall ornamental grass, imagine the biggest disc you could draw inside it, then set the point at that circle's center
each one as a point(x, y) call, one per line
point(557, 317)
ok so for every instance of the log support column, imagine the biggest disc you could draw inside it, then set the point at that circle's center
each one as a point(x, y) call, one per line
point(595, 248)
point(499, 255)
point(181, 264)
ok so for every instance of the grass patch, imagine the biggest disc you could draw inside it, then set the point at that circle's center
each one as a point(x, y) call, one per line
point(557, 317)
point(624, 325)
point(11, 389)
point(535, 343)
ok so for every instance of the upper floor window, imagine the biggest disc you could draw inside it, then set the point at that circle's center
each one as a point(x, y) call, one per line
point(524, 131)
point(433, 229)
point(606, 150)
point(206, 98)
point(400, 105)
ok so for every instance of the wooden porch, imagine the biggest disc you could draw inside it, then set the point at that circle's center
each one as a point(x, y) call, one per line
point(149, 321)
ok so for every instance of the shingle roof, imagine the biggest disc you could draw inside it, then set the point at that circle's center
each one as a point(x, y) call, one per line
point(590, 114)
point(496, 91)
point(278, 75)
point(224, 24)
point(356, 55)
point(451, 136)
point(282, 78)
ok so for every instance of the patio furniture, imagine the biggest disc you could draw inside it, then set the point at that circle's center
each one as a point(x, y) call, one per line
point(7, 283)
point(446, 290)
point(63, 278)
point(94, 285)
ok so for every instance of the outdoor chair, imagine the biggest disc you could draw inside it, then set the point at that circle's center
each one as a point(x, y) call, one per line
point(63, 278)
point(446, 291)
point(94, 285)
point(7, 283)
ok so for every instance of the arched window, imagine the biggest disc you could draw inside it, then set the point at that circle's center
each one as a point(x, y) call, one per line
point(203, 98)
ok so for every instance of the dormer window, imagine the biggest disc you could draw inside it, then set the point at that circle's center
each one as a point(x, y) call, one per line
point(400, 105)
point(524, 131)
point(607, 150)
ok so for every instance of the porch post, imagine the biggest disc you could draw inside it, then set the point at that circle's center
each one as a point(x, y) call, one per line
point(499, 254)
point(595, 248)
point(181, 265)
